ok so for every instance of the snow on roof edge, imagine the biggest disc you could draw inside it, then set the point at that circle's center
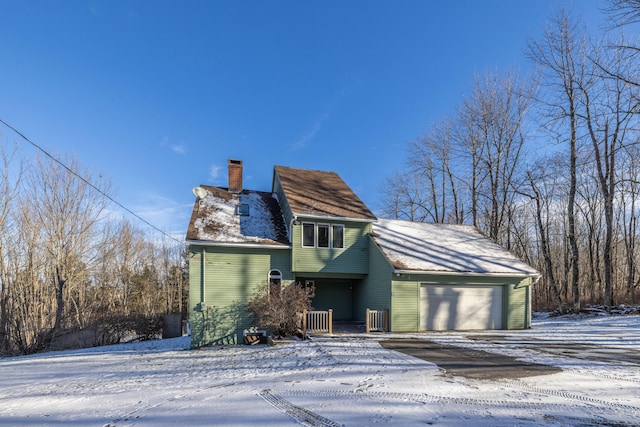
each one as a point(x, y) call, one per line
point(418, 247)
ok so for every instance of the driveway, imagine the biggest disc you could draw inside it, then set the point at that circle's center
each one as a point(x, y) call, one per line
point(469, 363)
point(499, 362)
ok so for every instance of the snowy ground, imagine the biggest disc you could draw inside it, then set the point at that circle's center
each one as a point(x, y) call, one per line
point(333, 381)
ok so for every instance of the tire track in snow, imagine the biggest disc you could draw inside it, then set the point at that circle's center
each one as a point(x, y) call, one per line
point(602, 375)
point(608, 412)
point(571, 396)
point(135, 414)
point(303, 416)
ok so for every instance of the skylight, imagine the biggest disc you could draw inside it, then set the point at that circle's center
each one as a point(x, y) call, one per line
point(242, 209)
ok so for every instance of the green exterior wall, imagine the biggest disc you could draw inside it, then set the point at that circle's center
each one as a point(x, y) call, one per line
point(405, 305)
point(518, 305)
point(218, 298)
point(374, 291)
point(348, 281)
point(352, 259)
point(335, 294)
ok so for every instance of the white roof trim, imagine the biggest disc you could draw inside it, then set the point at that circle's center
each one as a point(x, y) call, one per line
point(302, 217)
point(467, 273)
point(236, 245)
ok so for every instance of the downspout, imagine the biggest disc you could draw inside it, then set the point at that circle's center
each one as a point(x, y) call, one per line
point(202, 276)
point(203, 309)
point(294, 218)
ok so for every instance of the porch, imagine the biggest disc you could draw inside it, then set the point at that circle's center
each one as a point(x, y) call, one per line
point(322, 322)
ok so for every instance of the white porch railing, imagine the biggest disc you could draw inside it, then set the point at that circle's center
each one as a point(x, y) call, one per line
point(318, 321)
point(377, 320)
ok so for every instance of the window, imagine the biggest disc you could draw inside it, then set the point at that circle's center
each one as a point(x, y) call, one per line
point(308, 234)
point(323, 235)
point(337, 236)
point(310, 288)
point(275, 283)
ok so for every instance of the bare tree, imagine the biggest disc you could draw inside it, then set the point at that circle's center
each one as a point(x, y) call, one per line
point(405, 198)
point(624, 12)
point(609, 109)
point(9, 185)
point(469, 160)
point(542, 180)
point(561, 56)
point(629, 213)
point(433, 158)
point(64, 269)
point(492, 139)
point(65, 209)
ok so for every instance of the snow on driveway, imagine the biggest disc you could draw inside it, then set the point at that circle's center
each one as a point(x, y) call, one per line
point(333, 381)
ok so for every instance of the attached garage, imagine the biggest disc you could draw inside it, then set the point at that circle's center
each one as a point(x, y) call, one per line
point(460, 307)
point(451, 277)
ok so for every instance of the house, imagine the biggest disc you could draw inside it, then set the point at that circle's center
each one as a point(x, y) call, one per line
point(312, 230)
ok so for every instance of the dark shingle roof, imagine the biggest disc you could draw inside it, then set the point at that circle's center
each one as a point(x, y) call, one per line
point(320, 193)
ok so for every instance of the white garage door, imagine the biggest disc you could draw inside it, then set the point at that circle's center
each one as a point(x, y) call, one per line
point(459, 307)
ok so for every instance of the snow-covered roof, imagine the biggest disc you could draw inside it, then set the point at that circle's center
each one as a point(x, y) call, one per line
point(252, 217)
point(424, 247)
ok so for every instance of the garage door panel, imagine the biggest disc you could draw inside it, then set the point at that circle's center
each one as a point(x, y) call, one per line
point(457, 307)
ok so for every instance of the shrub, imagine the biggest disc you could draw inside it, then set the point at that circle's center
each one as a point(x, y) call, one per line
point(279, 310)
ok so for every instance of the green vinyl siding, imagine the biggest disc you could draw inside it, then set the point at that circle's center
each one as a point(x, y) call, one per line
point(352, 259)
point(405, 306)
point(518, 315)
point(374, 291)
point(231, 277)
point(335, 294)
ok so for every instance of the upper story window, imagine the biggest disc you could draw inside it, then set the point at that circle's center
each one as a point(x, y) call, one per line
point(337, 236)
point(308, 234)
point(322, 235)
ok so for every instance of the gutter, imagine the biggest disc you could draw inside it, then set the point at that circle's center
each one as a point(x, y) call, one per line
point(535, 276)
point(303, 216)
point(236, 245)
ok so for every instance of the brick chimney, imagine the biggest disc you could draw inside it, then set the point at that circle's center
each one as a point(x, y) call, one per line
point(235, 175)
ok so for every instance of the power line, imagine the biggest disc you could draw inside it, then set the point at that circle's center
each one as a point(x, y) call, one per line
point(76, 174)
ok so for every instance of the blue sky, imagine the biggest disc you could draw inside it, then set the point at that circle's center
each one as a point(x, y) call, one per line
point(157, 95)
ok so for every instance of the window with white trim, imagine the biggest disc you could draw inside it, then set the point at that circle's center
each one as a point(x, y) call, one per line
point(337, 236)
point(308, 234)
point(275, 283)
point(323, 235)
point(319, 235)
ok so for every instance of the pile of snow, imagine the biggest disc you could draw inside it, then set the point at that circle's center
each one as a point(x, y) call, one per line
point(333, 380)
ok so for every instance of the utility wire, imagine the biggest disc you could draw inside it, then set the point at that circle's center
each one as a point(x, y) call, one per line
point(87, 181)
